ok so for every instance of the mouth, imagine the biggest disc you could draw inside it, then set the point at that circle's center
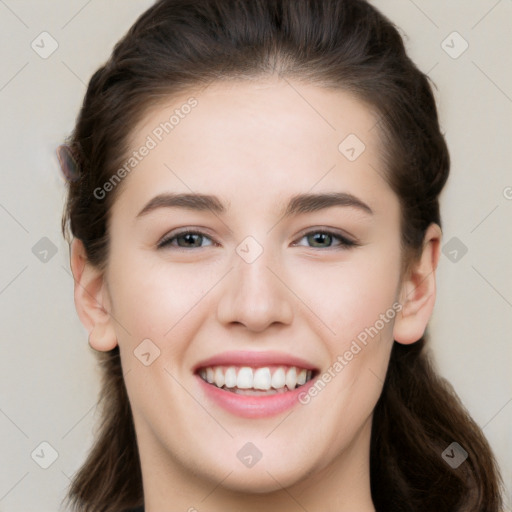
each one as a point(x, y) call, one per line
point(254, 384)
point(256, 380)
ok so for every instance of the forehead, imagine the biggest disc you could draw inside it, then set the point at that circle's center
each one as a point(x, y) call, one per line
point(252, 137)
point(272, 109)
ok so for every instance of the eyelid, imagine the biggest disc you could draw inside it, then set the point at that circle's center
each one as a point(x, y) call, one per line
point(344, 241)
point(339, 233)
point(185, 231)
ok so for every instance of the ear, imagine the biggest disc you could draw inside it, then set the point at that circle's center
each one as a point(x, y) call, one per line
point(92, 300)
point(418, 290)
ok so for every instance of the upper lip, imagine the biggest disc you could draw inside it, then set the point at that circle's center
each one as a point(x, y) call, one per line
point(254, 358)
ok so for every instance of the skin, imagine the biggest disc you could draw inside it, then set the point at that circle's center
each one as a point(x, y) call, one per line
point(245, 140)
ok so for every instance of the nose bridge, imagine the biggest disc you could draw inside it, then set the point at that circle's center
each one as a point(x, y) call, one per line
point(253, 295)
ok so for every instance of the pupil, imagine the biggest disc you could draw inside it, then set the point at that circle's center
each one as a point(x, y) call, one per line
point(189, 238)
point(321, 236)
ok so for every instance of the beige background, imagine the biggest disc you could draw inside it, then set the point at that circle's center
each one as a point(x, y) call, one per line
point(48, 379)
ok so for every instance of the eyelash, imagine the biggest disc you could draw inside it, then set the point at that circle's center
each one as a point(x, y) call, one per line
point(344, 244)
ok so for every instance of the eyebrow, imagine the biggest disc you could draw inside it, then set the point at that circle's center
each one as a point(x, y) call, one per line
point(300, 203)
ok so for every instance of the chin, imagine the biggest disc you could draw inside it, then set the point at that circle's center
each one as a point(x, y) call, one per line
point(259, 481)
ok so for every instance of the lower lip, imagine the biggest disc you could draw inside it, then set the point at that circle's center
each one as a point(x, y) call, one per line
point(248, 406)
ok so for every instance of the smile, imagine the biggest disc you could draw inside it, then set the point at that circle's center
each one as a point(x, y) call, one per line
point(256, 381)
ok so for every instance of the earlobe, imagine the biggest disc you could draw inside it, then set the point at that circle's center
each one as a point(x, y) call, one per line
point(91, 299)
point(418, 291)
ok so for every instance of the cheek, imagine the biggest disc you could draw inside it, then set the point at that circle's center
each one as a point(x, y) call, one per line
point(348, 296)
point(150, 299)
point(356, 303)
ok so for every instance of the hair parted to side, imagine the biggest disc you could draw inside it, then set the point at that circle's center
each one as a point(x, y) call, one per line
point(178, 45)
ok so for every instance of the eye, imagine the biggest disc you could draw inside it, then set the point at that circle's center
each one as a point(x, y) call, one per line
point(322, 239)
point(185, 240)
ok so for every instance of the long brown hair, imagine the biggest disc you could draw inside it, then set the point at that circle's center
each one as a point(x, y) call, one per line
point(345, 44)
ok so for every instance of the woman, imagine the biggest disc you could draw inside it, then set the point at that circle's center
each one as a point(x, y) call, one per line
point(253, 204)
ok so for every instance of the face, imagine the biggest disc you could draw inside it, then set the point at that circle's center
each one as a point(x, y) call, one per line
point(288, 300)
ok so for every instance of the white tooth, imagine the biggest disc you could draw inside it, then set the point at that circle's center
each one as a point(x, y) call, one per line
point(278, 379)
point(262, 379)
point(309, 375)
point(230, 377)
point(219, 377)
point(291, 378)
point(202, 373)
point(301, 377)
point(209, 375)
point(244, 379)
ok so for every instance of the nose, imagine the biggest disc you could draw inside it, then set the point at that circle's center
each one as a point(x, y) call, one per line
point(255, 294)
